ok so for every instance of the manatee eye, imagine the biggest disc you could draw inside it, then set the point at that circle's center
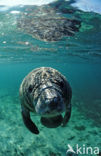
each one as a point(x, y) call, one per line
point(30, 89)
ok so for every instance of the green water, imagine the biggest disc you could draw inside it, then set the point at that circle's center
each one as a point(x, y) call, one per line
point(78, 58)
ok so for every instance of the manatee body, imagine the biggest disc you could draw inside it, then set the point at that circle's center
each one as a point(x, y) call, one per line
point(46, 93)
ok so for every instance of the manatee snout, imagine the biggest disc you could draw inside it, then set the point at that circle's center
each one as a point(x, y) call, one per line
point(55, 104)
point(50, 103)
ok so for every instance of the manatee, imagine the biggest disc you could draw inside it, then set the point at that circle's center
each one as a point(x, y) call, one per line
point(46, 93)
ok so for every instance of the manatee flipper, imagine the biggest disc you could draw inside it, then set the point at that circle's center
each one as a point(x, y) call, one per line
point(67, 115)
point(28, 122)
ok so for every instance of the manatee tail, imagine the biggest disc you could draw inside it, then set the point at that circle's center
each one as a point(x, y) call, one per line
point(28, 122)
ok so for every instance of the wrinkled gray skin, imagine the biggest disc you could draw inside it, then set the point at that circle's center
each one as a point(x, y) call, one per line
point(45, 92)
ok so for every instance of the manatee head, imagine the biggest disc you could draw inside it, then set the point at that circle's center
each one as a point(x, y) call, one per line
point(50, 105)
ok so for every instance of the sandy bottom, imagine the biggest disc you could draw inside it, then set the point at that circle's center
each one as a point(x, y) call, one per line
point(16, 140)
